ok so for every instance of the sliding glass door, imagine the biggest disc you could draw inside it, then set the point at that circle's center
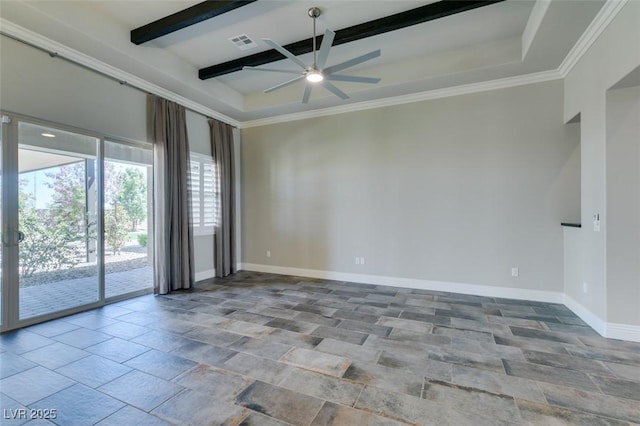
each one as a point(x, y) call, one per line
point(76, 221)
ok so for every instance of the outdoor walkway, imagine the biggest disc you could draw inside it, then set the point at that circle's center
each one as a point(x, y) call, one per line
point(46, 298)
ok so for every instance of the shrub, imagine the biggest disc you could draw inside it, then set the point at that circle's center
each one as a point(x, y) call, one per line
point(142, 239)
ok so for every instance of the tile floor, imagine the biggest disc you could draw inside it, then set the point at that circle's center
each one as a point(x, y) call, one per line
point(258, 349)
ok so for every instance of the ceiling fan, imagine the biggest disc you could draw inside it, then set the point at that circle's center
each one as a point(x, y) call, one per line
point(317, 73)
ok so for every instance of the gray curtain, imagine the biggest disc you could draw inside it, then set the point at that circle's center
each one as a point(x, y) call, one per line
point(225, 235)
point(173, 236)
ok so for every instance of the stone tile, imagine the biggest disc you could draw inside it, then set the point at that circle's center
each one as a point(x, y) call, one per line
point(412, 409)
point(55, 355)
point(432, 319)
point(604, 343)
point(138, 318)
point(417, 363)
point(363, 327)
point(34, 384)
point(541, 373)
point(520, 322)
point(52, 328)
point(615, 386)
point(564, 361)
point(488, 349)
point(292, 325)
point(576, 330)
point(242, 328)
point(532, 344)
point(469, 359)
point(212, 336)
point(118, 350)
point(141, 390)
point(497, 383)
point(610, 355)
point(79, 405)
point(161, 364)
point(257, 368)
point(165, 342)
point(314, 309)
point(533, 413)
point(90, 320)
point(218, 383)
point(625, 371)
point(478, 326)
point(82, 338)
point(93, 370)
point(463, 334)
point(132, 416)
point(195, 408)
point(294, 339)
point(591, 402)
point(280, 403)
point(394, 379)
point(124, 330)
point(250, 317)
point(406, 324)
point(277, 312)
point(320, 362)
point(12, 411)
point(349, 350)
point(339, 415)
point(355, 316)
point(257, 419)
point(22, 341)
point(379, 311)
point(205, 353)
point(11, 364)
point(349, 336)
point(260, 347)
point(544, 335)
point(400, 335)
point(321, 386)
point(475, 402)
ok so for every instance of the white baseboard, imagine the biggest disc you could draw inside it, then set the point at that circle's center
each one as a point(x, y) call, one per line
point(623, 332)
point(474, 289)
point(606, 329)
point(594, 321)
point(203, 275)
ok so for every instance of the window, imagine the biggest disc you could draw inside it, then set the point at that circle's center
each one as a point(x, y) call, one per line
point(203, 184)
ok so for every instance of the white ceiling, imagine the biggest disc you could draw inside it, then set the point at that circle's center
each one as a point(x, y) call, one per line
point(508, 39)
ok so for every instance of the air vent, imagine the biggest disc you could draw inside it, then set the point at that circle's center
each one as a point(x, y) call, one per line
point(243, 42)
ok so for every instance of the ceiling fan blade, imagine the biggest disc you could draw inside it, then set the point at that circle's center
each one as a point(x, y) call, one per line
point(270, 70)
point(286, 83)
point(352, 78)
point(285, 52)
point(352, 62)
point(323, 53)
point(333, 89)
point(307, 93)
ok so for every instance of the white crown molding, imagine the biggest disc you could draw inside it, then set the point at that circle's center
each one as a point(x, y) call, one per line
point(465, 89)
point(602, 20)
point(461, 288)
point(22, 34)
point(606, 14)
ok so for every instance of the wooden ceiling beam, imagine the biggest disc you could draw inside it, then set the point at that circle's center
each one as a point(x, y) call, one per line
point(394, 22)
point(185, 18)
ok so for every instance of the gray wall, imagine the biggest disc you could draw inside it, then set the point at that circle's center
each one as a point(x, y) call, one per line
point(612, 56)
point(34, 84)
point(460, 189)
point(623, 206)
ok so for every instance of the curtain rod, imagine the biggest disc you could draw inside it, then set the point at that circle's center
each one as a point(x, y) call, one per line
point(54, 54)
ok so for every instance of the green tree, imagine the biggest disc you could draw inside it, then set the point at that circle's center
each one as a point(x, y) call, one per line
point(115, 233)
point(47, 243)
point(132, 196)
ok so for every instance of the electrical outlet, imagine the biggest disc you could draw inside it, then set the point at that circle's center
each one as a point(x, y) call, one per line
point(585, 287)
point(362, 260)
point(357, 260)
point(515, 272)
point(268, 253)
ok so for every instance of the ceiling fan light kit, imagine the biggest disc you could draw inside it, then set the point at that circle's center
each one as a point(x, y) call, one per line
point(317, 73)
